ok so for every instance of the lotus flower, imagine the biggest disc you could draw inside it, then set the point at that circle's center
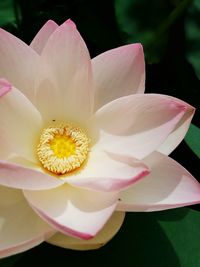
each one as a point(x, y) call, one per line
point(81, 143)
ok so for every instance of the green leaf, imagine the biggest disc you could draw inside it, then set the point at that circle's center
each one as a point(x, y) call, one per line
point(193, 139)
point(182, 228)
point(192, 25)
point(7, 14)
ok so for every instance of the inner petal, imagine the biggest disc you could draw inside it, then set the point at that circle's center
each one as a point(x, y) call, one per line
point(63, 148)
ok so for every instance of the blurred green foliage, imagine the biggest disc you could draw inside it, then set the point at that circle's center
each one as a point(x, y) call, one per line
point(7, 14)
point(193, 139)
point(192, 28)
point(139, 21)
point(149, 22)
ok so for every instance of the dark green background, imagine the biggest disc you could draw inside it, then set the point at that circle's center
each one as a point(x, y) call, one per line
point(170, 33)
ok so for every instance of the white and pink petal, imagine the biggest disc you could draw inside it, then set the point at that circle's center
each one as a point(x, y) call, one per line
point(168, 186)
point(178, 134)
point(18, 64)
point(109, 230)
point(20, 123)
point(138, 124)
point(118, 72)
point(27, 176)
point(20, 228)
point(108, 172)
point(65, 89)
point(39, 41)
point(73, 211)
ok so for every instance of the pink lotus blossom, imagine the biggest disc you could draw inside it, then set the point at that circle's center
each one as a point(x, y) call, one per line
point(81, 143)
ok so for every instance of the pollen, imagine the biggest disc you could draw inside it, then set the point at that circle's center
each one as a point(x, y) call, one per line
point(63, 148)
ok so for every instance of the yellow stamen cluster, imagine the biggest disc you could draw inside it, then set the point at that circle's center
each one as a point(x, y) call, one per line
point(62, 148)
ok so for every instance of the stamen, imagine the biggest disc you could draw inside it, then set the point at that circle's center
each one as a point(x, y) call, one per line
point(63, 148)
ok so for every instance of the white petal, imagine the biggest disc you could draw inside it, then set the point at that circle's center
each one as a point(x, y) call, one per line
point(66, 90)
point(73, 211)
point(43, 35)
point(20, 123)
point(108, 172)
point(138, 124)
point(20, 228)
point(168, 186)
point(109, 230)
point(118, 72)
point(18, 63)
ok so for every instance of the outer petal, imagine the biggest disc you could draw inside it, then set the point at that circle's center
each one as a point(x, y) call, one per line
point(138, 124)
point(43, 35)
point(174, 139)
point(118, 72)
point(67, 77)
point(73, 211)
point(168, 186)
point(20, 123)
point(20, 228)
point(18, 63)
point(110, 229)
point(108, 172)
point(26, 177)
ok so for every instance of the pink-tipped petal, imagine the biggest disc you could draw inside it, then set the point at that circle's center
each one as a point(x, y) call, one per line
point(26, 176)
point(138, 124)
point(177, 135)
point(71, 23)
point(20, 123)
point(106, 234)
point(108, 172)
point(168, 186)
point(5, 87)
point(65, 89)
point(18, 63)
point(73, 211)
point(118, 72)
point(20, 228)
point(43, 35)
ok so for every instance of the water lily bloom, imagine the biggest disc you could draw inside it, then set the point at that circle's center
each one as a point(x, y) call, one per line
point(80, 142)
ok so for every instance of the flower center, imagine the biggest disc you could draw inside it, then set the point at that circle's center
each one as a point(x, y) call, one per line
point(62, 148)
